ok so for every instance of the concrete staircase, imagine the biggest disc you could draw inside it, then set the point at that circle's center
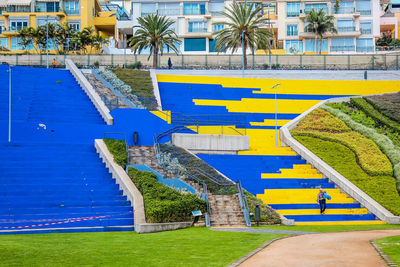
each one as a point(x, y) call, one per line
point(146, 155)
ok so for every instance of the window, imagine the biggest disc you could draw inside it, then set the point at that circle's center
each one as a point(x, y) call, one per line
point(341, 44)
point(15, 44)
point(345, 25)
point(310, 45)
point(168, 9)
point(363, 7)
point(269, 8)
point(218, 27)
point(195, 44)
point(2, 28)
point(211, 45)
point(294, 46)
point(216, 8)
point(194, 8)
point(148, 8)
point(291, 30)
point(4, 42)
point(197, 26)
point(293, 9)
point(76, 25)
point(316, 7)
point(18, 9)
point(71, 7)
point(365, 45)
point(366, 27)
point(345, 7)
point(47, 7)
point(2, 9)
point(43, 20)
point(18, 24)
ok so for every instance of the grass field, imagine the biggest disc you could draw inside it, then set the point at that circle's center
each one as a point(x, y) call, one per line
point(188, 247)
point(329, 228)
point(391, 246)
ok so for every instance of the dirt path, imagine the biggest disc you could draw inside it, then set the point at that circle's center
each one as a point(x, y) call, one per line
point(343, 249)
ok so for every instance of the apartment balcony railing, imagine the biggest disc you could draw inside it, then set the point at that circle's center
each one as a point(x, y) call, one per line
point(365, 48)
point(143, 14)
point(293, 14)
point(216, 13)
point(13, 28)
point(366, 31)
point(169, 12)
point(198, 30)
point(346, 29)
point(292, 33)
point(346, 10)
point(342, 48)
point(364, 12)
point(72, 12)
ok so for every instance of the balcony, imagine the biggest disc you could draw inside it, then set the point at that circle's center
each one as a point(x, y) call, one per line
point(169, 12)
point(366, 31)
point(196, 30)
point(292, 14)
point(365, 49)
point(346, 29)
point(345, 10)
point(345, 48)
point(364, 12)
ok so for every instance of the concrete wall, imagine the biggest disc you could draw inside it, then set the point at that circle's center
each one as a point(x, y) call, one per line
point(125, 183)
point(210, 143)
point(345, 185)
point(159, 227)
point(88, 89)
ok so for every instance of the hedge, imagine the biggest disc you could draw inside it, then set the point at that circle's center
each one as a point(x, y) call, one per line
point(320, 120)
point(118, 149)
point(268, 215)
point(385, 144)
point(370, 158)
point(381, 188)
point(163, 204)
point(387, 104)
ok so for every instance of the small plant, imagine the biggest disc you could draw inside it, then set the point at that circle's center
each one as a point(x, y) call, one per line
point(58, 81)
point(96, 64)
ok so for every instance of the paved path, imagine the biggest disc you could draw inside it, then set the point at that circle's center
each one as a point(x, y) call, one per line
point(344, 249)
point(261, 231)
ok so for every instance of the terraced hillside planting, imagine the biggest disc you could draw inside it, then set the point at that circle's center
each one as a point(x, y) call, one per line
point(388, 104)
point(340, 147)
point(139, 80)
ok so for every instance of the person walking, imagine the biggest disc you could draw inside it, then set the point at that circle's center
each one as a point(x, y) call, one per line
point(169, 63)
point(321, 201)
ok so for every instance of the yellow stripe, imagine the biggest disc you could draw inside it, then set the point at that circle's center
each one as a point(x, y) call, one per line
point(317, 211)
point(301, 196)
point(302, 166)
point(165, 115)
point(307, 87)
point(341, 223)
point(268, 122)
point(291, 176)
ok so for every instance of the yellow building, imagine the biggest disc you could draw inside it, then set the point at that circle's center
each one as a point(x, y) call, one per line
point(18, 14)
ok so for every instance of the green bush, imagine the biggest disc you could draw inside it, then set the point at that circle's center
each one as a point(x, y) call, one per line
point(385, 144)
point(162, 203)
point(381, 188)
point(140, 81)
point(268, 215)
point(387, 104)
point(118, 149)
point(320, 124)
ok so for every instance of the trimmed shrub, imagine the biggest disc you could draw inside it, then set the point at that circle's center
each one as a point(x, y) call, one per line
point(385, 144)
point(387, 104)
point(268, 215)
point(370, 158)
point(381, 188)
point(163, 204)
point(118, 149)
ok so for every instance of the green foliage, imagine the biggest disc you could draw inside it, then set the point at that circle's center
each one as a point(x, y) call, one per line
point(268, 215)
point(139, 81)
point(118, 149)
point(321, 124)
point(320, 24)
point(155, 33)
point(385, 40)
point(58, 81)
point(385, 144)
point(387, 104)
point(381, 188)
point(162, 203)
point(245, 22)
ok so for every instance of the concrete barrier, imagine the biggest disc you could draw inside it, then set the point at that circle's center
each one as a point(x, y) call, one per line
point(156, 91)
point(211, 143)
point(125, 183)
point(88, 89)
point(344, 184)
point(159, 227)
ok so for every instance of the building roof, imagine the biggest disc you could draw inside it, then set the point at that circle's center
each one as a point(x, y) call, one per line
point(18, 2)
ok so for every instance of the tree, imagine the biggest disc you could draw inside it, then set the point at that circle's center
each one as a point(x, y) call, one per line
point(26, 37)
point(155, 33)
point(244, 23)
point(64, 33)
point(319, 23)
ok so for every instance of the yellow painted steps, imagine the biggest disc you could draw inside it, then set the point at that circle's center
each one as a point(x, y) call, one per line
point(291, 175)
point(327, 212)
point(301, 196)
point(341, 223)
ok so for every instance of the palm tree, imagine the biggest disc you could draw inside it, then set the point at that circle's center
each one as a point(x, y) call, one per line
point(244, 23)
point(319, 23)
point(155, 33)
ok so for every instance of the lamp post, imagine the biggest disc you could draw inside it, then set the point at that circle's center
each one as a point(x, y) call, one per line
point(47, 38)
point(9, 103)
point(276, 116)
point(243, 32)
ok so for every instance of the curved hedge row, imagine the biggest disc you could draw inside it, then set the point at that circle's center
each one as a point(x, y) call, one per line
point(385, 144)
point(387, 104)
point(163, 204)
point(381, 188)
point(370, 158)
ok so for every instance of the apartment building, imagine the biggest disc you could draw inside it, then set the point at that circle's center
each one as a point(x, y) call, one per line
point(18, 14)
point(357, 23)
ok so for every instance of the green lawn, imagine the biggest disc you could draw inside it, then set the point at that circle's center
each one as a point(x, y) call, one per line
point(392, 249)
point(329, 228)
point(188, 247)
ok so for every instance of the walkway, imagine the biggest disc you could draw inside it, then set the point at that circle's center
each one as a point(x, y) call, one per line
point(325, 249)
point(260, 231)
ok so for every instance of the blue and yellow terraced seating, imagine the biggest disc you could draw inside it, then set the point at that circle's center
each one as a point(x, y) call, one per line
point(274, 173)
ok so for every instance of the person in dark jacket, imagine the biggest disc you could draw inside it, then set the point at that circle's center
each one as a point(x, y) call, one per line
point(321, 201)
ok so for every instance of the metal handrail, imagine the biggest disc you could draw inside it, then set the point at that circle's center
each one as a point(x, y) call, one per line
point(243, 203)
